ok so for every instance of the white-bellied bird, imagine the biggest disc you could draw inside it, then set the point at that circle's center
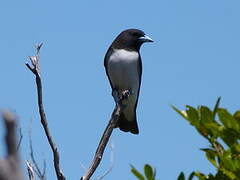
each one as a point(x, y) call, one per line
point(124, 70)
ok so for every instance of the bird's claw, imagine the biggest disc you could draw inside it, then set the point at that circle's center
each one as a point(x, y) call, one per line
point(125, 94)
point(119, 96)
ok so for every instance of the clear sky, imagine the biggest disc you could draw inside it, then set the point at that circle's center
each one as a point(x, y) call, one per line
point(195, 58)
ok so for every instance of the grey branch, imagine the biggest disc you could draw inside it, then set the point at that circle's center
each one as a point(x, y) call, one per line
point(30, 170)
point(111, 164)
point(106, 135)
point(35, 68)
point(20, 140)
point(10, 168)
point(35, 167)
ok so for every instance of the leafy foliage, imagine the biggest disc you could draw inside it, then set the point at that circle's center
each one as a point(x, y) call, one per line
point(222, 130)
point(149, 173)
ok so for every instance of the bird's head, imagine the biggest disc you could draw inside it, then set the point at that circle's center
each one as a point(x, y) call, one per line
point(131, 39)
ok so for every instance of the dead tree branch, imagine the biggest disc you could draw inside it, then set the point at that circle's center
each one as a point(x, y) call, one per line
point(10, 168)
point(30, 170)
point(35, 69)
point(111, 164)
point(106, 135)
point(35, 167)
point(20, 140)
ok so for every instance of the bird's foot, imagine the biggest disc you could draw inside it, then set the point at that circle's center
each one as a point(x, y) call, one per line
point(125, 94)
point(120, 96)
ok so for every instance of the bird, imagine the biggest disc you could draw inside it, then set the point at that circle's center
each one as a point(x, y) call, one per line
point(123, 67)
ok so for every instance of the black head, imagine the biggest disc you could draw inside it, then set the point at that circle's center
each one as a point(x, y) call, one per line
point(131, 39)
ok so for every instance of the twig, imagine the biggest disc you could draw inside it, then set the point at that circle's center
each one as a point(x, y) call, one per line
point(35, 166)
point(83, 167)
point(105, 137)
point(30, 171)
point(44, 167)
point(21, 137)
point(35, 69)
point(111, 163)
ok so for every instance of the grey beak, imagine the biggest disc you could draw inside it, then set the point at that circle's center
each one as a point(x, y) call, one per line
point(145, 38)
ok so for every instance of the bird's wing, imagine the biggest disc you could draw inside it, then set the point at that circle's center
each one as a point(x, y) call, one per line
point(106, 59)
point(139, 68)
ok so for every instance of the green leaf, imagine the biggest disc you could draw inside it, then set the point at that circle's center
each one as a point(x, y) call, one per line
point(216, 107)
point(180, 112)
point(237, 117)
point(149, 172)
point(193, 115)
point(235, 149)
point(181, 176)
point(211, 156)
point(201, 176)
point(137, 173)
point(229, 174)
point(214, 128)
point(228, 165)
point(206, 115)
point(191, 176)
point(227, 119)
point(221, 175)
point(229, 136)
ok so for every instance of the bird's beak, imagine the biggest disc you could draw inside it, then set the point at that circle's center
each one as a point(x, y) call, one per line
point(145, 38)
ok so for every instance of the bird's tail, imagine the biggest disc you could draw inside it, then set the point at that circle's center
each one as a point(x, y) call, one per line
point(128, 126)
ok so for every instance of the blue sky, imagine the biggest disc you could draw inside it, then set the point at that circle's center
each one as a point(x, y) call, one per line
point(194, 59)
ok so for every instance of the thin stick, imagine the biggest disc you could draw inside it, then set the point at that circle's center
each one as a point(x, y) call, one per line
point(20, 140)
point(30, 171)
point(111, 164)
point(35, 166)
point(35, 68)
point(105, 138)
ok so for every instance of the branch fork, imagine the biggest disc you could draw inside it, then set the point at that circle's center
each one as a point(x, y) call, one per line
point(35, 69)
point(118, 97)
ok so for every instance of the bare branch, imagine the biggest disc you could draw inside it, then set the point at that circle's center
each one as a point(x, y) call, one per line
point(35, 166)
point(44, 168)
point(10, 136)
point(21, 137)
point(106, 135)
point(30, 170)
point(83, 167)
point(35, 69)
point(10, 168)
point(111, 163)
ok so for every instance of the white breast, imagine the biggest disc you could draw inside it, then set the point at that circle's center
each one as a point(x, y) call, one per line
point(123, 70)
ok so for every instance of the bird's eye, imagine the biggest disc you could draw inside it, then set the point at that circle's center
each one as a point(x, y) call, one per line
point(135, 34)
